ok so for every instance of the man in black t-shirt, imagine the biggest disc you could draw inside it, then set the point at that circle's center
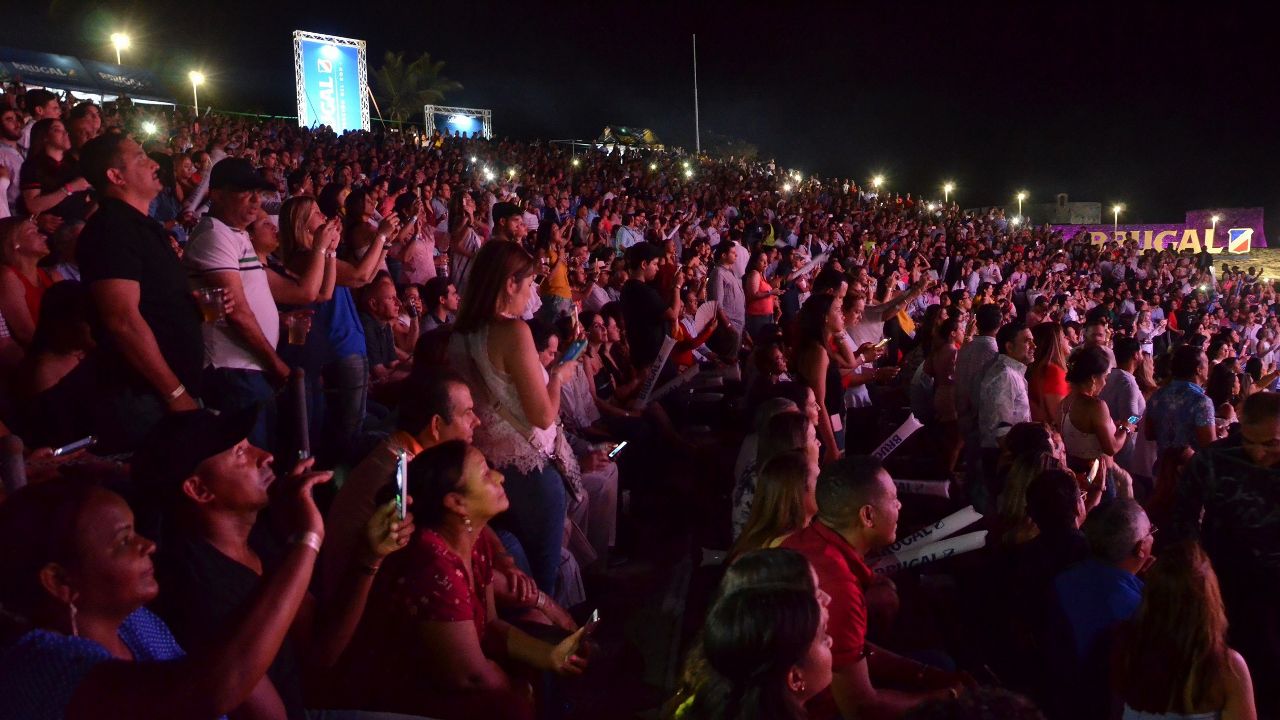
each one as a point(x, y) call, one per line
point(150, 350)
point(643, 309)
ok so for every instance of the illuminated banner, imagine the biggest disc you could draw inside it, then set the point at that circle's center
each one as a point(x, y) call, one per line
point(332, 81)
point(1236, 232)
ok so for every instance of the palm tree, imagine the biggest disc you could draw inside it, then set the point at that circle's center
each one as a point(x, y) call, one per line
point(403, 88)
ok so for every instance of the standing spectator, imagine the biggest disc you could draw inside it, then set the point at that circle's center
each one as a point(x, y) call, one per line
point(10, 160)
point(1180, 413)
point(150, 350)
point(464, 241)
point(1047, 374)
point(1227, 498)
point(820, 318)
point(972, 363)
point(41, 105)
point(1088, 431)
point(1173, 660)
point(643, 309)
point(519, 403)
point(1124, 400)
point(857, 514)
point(1002, 399)
point(242, 367)
point(725, 288)
point(51, 178)
point(22, 283)
point(761, 297)
point(440, 296)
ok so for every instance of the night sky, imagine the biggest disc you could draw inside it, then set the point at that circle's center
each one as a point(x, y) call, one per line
point(1162, 106)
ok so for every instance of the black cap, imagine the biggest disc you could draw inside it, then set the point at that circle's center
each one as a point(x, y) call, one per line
point(506, 210)
point(171, 453)
point(237, 174)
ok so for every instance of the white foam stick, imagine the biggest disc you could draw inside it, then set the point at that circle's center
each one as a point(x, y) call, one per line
point(655, 369)
point(944, 528)
point(899, 436)
point(935, 488)
point(924, 554)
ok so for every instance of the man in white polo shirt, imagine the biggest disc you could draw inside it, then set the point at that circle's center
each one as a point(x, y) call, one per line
point(241, 364)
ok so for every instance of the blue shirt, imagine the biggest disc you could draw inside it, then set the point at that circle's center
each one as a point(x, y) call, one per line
point(39, 673)
point(1175, 411)
point(1095, 597)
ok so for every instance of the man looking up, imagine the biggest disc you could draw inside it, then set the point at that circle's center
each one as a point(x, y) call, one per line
point(146, 325)
point(243, 368)
point(857, 514)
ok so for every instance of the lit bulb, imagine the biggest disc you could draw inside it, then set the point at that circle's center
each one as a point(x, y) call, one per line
point(688, 173)
point(653, 166)
point(473, 158)
point(786, 187)
point(575, 162)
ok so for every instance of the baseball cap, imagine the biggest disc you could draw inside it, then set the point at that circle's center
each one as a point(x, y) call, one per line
point(171, 453)
point(237, 174)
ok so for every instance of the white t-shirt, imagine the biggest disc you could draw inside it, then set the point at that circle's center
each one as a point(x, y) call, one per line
point(215, 247)
point(12, 159)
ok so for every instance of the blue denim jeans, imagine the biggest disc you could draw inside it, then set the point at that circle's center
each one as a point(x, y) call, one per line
point(536, 518)
point(229, 390)
point(346, 401)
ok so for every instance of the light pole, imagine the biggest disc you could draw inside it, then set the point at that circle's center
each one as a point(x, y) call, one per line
point(877, 181)
point(1022, 195)
point(197, 79)
point(946, 192)
point(1115, 219)
point(121, 42)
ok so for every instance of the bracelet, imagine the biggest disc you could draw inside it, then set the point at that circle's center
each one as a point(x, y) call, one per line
point(177, 392)
point(542, 600)
point(311, 539)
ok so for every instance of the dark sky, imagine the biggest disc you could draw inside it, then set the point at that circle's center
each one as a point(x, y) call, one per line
point(1163, 106)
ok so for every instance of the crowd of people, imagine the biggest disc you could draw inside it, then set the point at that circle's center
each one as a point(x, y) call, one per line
point(369, 414)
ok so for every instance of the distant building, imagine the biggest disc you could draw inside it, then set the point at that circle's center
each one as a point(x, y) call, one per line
point(1060, 212)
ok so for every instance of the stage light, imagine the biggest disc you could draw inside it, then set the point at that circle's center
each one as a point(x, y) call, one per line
point(877, 181)
point(121, 42)
point(149, 127)
point(786, 187)
point(331, 52)
point(197, 79)
point(459, 120)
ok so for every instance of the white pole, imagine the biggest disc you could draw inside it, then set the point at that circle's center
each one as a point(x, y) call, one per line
point(195, 96)
point(697, 127)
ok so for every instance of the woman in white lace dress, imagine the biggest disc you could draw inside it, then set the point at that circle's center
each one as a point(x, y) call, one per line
point(518, 402)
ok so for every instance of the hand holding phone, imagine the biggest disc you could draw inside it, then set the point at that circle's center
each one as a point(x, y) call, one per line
point(77, 445)
point(402, 484)
point(574, 350)
point(617, 449)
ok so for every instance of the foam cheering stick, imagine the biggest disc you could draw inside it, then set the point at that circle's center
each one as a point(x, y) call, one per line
point(944, 528)
point(936, 488)
point(924, 554)
point(899, 436)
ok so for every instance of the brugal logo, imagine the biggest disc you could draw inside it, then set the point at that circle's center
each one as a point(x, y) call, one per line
point(1239, 240)
point(328, 106)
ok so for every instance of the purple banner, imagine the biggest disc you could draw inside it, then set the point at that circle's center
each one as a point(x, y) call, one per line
point(1236, 232)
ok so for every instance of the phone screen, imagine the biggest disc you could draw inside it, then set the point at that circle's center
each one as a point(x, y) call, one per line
point(617, 449)
point(402, 483)
point(77, 445)
point(1133, 420)
point(883, 343)
point(573, 351)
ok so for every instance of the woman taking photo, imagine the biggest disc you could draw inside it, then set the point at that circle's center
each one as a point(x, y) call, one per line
point(22, 283)
point(433, 643)
point(78, 576)
point(820, 318)
point(1172, 660)
point(518, 402)
point(1047, 375)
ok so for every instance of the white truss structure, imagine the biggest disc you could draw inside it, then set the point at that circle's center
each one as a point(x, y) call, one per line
point(305, 116)
point(484, 116)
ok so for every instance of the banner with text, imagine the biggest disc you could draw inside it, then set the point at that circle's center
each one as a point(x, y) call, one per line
point(332, 81)
point(1235, 232)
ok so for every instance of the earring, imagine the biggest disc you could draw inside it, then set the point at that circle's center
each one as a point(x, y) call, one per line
point(466, 523)
point(75, 631)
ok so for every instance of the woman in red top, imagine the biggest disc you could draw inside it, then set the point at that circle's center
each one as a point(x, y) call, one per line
point(22, 284)
point(432, 642)
point(1047, 376)
point(761, 297)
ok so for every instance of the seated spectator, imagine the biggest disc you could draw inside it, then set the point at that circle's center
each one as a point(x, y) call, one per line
point(440, 298)
point(51, 178)
point(55, 383)
point(387, 363)
point(62, 245)
point(77, 575)
point(1033, 448)
point(765, 410)
point(22, 283)
point(784, 503)
point(782, 433)
point(857, 513)
point(1172, 659)
point(212, 484)
point(767, 653)
point(1094, 597)
point(433, 641)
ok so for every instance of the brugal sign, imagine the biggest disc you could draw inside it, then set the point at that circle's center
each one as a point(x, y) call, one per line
point(1236, 233)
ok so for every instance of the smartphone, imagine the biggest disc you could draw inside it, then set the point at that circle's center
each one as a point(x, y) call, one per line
point(882, 344)
point(617, 449)
point(77, 445)
point(1133, 420)
point(402, 483)
point(592, 621)
point(1093, 471)
point(573, 351)
point(539, 279)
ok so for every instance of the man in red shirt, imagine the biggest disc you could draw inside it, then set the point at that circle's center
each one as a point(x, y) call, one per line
point(858, 513)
